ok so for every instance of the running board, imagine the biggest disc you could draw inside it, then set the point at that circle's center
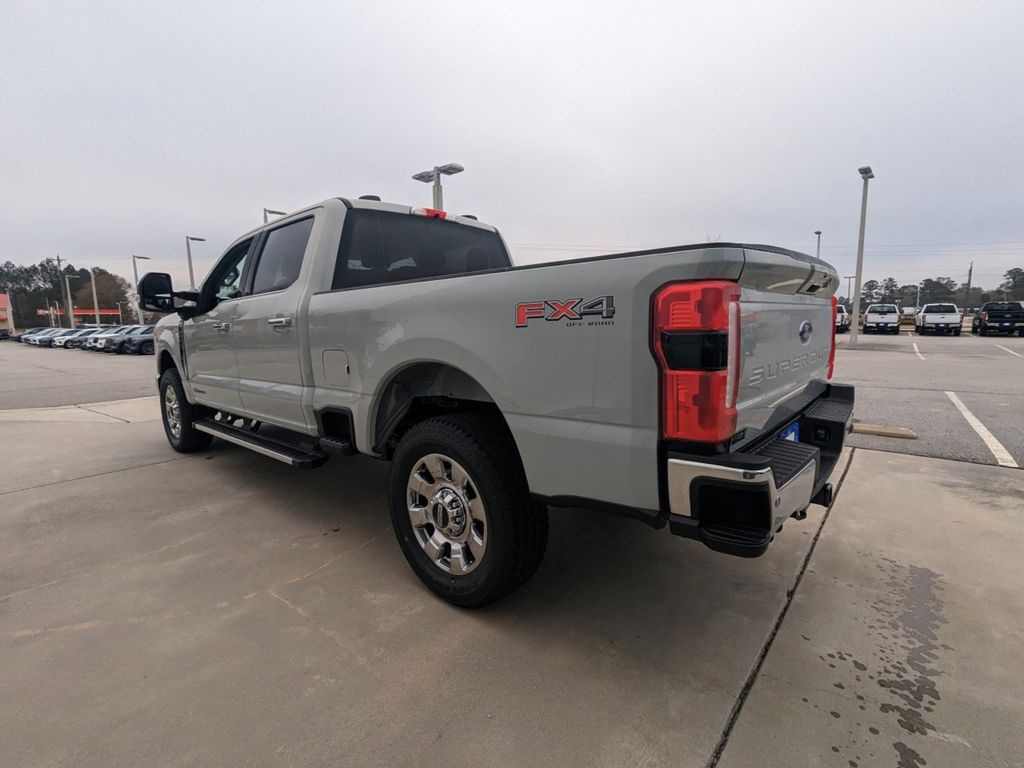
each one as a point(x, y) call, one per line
point(291, 455)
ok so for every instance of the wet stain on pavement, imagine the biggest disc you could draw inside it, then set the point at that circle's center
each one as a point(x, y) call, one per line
point(904, 668)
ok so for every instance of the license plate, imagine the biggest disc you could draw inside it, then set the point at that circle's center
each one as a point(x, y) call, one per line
point(942, 325)
point(791, 433)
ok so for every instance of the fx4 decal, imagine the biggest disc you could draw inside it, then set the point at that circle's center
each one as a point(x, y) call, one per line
point(572, 310)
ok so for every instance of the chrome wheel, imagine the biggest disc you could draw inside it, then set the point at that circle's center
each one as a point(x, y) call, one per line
point(172, 410)
point(447, 514)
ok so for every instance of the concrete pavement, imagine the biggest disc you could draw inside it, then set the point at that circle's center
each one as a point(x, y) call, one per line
point(223, 609)
point(904, 644)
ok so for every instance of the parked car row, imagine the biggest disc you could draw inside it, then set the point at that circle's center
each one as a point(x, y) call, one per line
point(945, 318)
point(121, 339)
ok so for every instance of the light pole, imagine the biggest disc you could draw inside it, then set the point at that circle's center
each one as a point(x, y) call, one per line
point(189, 239)
point(71, 303)
point(135, 269)
point(818, 233)
point(849, 288)
point(95, 301)
point(120, 317)
point(267, 212)
point(434, 177)
point(866, 174)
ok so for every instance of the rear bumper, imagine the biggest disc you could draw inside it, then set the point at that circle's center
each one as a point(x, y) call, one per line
point(736, 502)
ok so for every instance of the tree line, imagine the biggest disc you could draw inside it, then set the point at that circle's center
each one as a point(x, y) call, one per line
point(939, 289)
point(34, 287)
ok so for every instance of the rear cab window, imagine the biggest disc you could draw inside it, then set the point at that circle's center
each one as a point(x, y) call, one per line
point(882, 309)
point(380, 247)
point(940, 308)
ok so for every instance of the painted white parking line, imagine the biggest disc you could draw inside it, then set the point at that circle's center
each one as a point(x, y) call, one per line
point(917, 351)
point(1018, 354)
point(1002, 456)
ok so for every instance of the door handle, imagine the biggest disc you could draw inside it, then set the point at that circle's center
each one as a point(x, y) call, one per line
point(279, 322)
point(222, 326)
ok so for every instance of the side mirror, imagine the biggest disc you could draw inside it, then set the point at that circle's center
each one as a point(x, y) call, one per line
point(157, 294)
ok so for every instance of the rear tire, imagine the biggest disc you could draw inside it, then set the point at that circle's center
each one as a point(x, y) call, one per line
point(956, 332)
point(179, 414)
point(146, 348)
point(982, 330)
point(477, 535)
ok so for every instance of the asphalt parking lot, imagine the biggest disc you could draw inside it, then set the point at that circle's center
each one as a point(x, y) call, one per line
point(222, 609)
point(903, 381)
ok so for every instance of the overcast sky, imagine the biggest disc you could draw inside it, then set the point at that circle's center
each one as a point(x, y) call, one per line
point(584, 127)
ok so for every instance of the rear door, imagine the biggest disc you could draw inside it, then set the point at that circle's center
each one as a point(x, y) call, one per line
point(267, 327)
point(209, 354)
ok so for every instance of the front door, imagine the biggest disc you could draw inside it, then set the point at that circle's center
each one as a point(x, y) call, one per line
point(265, 331)
point(210, 362)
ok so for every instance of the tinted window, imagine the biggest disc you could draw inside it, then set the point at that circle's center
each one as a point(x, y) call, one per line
point(881, 309)
point(941, 308)
point(382, 247)
point(281, 257)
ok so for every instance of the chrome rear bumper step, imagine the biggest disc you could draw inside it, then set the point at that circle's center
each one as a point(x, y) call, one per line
point(292, 455)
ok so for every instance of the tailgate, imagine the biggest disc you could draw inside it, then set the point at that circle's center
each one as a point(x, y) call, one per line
point(785, 338)
point(942, 317)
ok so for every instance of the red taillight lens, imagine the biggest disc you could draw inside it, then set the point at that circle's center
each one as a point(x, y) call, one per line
point(984, 316)
point(832, 351)
point(696, 341)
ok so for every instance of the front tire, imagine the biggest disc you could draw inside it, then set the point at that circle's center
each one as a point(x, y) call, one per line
point(179, 414)
point(462, 511)
point(146, 348)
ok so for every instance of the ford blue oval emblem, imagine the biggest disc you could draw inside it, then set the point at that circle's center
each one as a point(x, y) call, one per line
point(806, 329)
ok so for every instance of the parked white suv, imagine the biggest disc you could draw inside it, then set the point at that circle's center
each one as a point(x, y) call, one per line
point(882, 318)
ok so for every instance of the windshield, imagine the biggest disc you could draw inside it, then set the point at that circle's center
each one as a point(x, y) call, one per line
point(882, 309)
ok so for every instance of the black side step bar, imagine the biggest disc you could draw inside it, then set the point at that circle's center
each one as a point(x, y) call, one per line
point(292, 455)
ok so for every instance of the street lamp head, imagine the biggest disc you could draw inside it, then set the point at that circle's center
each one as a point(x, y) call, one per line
point(140, 258)
point(427, 177)
point(866, 172)
point(451, 169)
point(817, 231)
point(195, 239)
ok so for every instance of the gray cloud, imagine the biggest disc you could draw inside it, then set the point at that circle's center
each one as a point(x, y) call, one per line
point(585, 125)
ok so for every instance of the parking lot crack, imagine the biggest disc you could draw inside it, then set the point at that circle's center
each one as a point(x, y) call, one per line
point(755, 671)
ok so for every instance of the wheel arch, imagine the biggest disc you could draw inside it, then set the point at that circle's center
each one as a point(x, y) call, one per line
point(418, 391)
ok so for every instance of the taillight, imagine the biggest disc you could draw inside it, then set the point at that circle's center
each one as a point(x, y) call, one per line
point(984, 316)
point(832, 351)
point(696, 341)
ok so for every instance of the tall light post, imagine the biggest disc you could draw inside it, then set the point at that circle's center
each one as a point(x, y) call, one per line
point(71, 304)
point(866, 174)
point(120, 316)
point(267, 213)
point(849, 287)
point(434, 177)
point(135, 269)
point(817, 232)
point(95, 301)
point(189, 239)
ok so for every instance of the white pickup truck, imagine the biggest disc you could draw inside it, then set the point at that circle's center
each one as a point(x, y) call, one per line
point(939, 318)
point(684, 386)
point(882, 318)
